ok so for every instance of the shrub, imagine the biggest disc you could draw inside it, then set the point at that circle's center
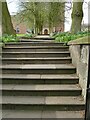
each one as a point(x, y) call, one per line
point(66, 37)
point(9, 38)
point(28, 35)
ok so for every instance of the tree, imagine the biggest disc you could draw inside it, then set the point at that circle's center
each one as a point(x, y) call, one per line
point(56, 14)
point(42, 14)
point(0, 19)
point(34, 14)
point(77, 15)
point(7, 27)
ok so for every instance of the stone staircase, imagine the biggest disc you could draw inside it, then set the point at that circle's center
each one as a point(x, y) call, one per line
point(39, 81)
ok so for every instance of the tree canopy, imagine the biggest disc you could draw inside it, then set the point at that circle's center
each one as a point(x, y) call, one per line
point(40, 14)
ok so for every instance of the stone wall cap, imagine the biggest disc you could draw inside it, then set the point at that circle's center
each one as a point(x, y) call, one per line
point(83, 41)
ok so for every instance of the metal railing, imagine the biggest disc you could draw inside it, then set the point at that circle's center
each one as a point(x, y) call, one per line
point(87, 111)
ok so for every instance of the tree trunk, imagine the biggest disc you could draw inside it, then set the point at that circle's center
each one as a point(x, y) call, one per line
point(77, 15)
point(7, 27)
point(0, 19)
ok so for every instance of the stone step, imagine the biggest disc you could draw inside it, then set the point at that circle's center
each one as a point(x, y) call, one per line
point(36, 49)
point(38, 39)
point(60, 103)
point(57, 60)
point(39, 79)
point(38, 69)
point(67, 115)
point(12, 44)
point(35, 54)
point(40, 90)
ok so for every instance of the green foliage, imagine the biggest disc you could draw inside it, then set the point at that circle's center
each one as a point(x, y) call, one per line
point(66, 37)
point(20, 35)
point(37, 15)
point(34, 14)
point(56, 13)
point(29, 35)
point(8, 38)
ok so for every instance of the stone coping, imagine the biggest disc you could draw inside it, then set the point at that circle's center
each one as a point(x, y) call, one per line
point(83, 41)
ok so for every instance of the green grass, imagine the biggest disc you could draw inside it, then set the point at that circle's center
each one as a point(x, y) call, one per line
point(66, 37)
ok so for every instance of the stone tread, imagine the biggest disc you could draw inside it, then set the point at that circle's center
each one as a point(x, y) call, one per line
point(41, 100)
point(62, 52)
point(38, 76)
point(10, 43)
point(42, 114)
point(56, 58)
point(38, 66)
point(37, 40)
point(45, 87)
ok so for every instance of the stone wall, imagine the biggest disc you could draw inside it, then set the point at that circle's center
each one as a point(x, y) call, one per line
point(80, 54)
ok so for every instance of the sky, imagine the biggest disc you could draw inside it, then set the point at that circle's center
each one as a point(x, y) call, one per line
point(13, 8)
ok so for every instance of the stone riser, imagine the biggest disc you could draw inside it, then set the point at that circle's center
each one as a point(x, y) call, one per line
point(24, 44)
point(38, 71)
point(39, 38)
point(34, 50)
point(39, 81)
point(34, 55)
point(36, 61)
point(43, 107)
point(41, 93)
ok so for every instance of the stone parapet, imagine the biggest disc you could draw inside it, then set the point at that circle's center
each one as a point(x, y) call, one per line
point(80, 41)
point(79, 50)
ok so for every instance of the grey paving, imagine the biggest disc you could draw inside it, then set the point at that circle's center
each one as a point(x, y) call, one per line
point(25, 100)
point(39, 66)
point(59, 58)
point(57, 76)
point(21, 76)
point(40, 76)
point(42, 114)
point(63, 114)
point(41, 100)
point(65, 100)
point(42, 87)
point(21, 114)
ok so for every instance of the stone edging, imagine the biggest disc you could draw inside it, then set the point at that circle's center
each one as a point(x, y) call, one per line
point(83, 41)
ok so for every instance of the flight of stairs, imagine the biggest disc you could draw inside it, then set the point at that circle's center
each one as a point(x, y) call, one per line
point(39, 81)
